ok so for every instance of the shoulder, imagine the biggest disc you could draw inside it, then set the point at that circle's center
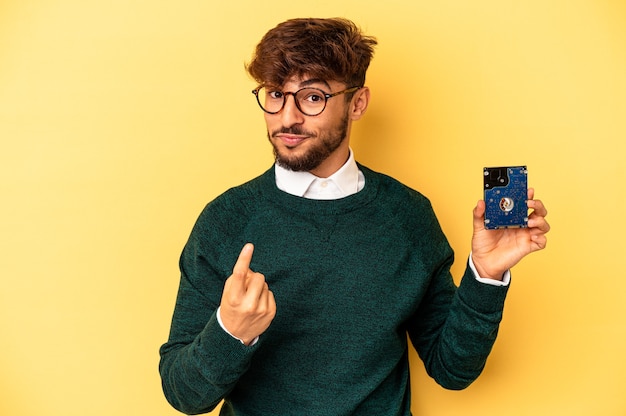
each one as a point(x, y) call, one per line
point(403, 205)
point(235, 203)
point(393, 191)
point(242, 197)
point(408, 213)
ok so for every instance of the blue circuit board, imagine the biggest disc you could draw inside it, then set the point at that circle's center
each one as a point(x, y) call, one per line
point(506, 192)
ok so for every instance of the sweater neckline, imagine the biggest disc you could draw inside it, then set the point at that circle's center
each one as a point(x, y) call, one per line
point(294, 203)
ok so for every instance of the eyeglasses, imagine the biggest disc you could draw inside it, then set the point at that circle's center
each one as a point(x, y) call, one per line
point(310, 101)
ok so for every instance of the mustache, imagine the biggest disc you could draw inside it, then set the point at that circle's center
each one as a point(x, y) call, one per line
point(296, 130)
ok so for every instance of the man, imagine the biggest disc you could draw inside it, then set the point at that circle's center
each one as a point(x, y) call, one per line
point(298, 288)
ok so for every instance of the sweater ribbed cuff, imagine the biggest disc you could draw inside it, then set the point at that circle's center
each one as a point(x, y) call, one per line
point(225, 357)
point(481, 297)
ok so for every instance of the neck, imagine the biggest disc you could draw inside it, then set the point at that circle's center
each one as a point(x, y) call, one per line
point(334, 162)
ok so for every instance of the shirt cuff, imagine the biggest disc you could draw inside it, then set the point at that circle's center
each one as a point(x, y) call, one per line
point(219, 321)
point(506, 278)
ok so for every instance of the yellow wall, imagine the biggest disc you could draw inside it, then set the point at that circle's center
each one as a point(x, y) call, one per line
point(120, 119)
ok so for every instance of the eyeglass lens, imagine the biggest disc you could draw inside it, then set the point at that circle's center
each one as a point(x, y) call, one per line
point(310, 101)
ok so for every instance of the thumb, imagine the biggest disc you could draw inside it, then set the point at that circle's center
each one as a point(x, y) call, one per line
point(479, 216)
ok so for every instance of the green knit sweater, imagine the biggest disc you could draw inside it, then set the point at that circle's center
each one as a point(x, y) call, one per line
point(351, 278)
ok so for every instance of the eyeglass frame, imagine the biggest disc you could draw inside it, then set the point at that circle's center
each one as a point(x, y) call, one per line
point(286, 94)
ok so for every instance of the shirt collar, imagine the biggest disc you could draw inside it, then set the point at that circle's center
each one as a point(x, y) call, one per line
point(298, 183)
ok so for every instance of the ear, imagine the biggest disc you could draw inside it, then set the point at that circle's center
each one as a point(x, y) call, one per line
point(359, 103)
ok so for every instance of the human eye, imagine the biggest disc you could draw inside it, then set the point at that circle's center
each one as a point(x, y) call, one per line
point(274, 94)
point(312, 96)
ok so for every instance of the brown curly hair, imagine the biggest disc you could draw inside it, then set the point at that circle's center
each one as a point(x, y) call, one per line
point(328, 49)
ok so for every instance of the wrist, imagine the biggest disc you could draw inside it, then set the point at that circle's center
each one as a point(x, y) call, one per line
point(247, 342)
point(483, 272)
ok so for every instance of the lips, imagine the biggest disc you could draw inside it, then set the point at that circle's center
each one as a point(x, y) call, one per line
point(290, 140)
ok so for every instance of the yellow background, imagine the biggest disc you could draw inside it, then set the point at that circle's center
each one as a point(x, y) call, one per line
point(120, 119)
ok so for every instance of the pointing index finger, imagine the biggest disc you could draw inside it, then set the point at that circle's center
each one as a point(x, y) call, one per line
point(243, 261)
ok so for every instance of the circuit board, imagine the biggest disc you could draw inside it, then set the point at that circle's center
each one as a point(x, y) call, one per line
point(506, 192)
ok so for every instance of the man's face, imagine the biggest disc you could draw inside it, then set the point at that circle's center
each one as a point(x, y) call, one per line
point(317, 144)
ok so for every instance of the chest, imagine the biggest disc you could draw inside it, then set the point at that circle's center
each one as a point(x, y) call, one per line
point(355, 276)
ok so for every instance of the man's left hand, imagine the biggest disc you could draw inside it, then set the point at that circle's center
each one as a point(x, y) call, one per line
point(496, 251)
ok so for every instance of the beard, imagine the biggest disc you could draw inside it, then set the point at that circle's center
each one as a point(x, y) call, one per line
point(321, 148)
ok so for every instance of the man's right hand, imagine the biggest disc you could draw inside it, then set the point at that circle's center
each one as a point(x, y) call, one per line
point(248, 306)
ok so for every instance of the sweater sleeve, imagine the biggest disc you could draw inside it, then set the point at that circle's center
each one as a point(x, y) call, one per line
point(196, 376)
point(456, 328)
point(201, 363)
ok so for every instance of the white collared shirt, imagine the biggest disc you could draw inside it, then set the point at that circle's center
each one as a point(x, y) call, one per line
point(348, 180)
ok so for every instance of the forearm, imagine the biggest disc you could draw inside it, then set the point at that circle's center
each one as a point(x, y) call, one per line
point(198, 375)
point(457, 351)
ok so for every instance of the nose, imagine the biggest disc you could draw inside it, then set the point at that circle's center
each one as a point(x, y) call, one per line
point(291, 114)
